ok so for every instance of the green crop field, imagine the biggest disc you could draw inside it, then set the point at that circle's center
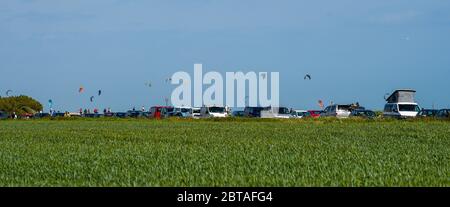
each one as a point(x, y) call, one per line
point(224, 153)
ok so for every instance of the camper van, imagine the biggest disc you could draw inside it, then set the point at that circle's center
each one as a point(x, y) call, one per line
point(276, 112)
point(401, 104)
point(214, 112)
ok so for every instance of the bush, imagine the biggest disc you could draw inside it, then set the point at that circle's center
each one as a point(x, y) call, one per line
point(20, 105)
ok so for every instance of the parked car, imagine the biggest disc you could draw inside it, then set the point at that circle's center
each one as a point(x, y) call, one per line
point(253, 112)
point(401, 104)
point(147, 114)
point(238, 114)
point(315, 113)
point(300, 114)
point(26, 116)
point(443, 113)
point(196, 113)
point(159, 112)
point(401, 110)
point(41, 115)
point(3, 115)
point(135, 114)
point(213, 112)
point(362, 113)
point(183, 112)
point(337, 110)
point(74, 114)
point(108, 114)
point(59, 114)
point(276, 112)
point(121, 114)
point(92, 115)
point(427, 113)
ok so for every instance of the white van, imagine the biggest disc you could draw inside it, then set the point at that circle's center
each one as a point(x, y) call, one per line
point(213, 112)
point(401, 104)
point(401, 110)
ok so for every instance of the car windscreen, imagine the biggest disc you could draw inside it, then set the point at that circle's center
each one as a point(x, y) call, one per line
point(408, 107)
point(283, 110)
point(217, 109)
point(344, 107)
point(185, 110)
point(197, 111)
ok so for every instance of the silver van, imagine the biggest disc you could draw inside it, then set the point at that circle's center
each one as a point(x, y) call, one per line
point(337, 110)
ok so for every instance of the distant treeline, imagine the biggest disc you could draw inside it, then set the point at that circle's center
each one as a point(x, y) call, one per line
point(20, 105)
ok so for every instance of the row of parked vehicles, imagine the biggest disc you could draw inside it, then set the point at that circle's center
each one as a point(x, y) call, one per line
point(400, 104)
point(336, 110)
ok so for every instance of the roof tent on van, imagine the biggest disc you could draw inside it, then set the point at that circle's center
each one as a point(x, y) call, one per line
point(402, 95)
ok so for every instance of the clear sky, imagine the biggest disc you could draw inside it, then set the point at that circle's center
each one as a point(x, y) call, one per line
point(355, 50)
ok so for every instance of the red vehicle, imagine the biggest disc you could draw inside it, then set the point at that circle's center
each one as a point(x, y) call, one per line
point(159, 112)
point(315, 113)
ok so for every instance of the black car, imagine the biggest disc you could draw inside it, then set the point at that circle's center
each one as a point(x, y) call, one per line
point(443, 113)
point(121, 115)
point(41, 115)
point(108, 114)
point(58, 114)
point(135, 114)
point(3, 115)
point(362, 113)
point(92, 115)
point(238, 113)
point(253, 111)
point(428, 113)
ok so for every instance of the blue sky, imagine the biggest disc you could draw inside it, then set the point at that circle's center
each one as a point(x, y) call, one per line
point(355, 50)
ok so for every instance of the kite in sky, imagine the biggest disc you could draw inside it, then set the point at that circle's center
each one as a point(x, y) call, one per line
point(8, 92)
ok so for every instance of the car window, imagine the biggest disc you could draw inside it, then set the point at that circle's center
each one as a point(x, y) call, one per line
point(408, 107)
point(393, 107)
point(343, 107)
point(217, 109)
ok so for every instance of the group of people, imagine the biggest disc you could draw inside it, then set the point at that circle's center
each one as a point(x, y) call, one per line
point(142, 109)
point(95, 111)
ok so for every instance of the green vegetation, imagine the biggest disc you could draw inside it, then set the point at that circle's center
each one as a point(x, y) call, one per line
point(20, 105)
point(224, 153)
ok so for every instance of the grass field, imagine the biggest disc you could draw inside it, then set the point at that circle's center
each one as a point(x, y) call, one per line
point(224, 153)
